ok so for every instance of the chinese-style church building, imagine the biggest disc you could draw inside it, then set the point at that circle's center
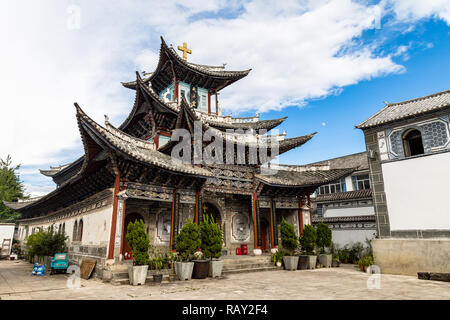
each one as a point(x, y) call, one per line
point(127, 172)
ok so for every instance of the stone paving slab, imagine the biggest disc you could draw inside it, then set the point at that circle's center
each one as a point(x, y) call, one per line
point(332, 283)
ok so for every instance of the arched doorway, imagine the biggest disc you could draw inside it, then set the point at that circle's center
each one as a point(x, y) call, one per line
point(210, 209)
point(132, 217)
point(412, 143)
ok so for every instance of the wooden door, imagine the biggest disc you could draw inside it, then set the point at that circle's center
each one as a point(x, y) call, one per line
point(263, 237)
point(132, 217)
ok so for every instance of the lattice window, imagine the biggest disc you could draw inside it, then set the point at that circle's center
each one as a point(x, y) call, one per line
point(435, 134)
point(396, 143)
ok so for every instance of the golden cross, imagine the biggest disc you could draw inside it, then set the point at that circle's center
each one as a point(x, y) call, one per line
point(185, 50)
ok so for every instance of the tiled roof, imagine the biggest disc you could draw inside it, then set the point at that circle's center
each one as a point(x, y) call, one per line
point(356, 160)
point(349, 195)
point(54, 170)
point(138, 149)
point(210, 71)
point(16, 205)
point(407, 109)
point(303, 178)
point(345, 219)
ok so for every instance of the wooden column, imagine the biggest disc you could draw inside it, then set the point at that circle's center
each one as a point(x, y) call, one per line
point(198, 207)
point(273, 225)
point(217, 104)
point(114, 217)
point(175, 89)
point(256, 222)
point(300, 217)
point(175, 219)
point(209, 101)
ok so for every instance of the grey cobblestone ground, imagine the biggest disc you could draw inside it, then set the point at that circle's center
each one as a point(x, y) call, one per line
point(335, 283)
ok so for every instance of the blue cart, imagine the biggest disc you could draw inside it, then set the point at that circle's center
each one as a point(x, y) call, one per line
point(59, 262)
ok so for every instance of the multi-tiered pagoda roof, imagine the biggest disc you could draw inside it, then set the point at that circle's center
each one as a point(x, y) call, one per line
point(133, 148)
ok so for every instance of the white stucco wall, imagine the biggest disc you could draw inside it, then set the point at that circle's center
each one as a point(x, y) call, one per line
point(96, 226)
point(348, 212)
point(417, 192)
point(343, 237)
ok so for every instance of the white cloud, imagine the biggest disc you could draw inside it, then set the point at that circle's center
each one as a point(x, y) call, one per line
point(298, 50)
point(411, 10)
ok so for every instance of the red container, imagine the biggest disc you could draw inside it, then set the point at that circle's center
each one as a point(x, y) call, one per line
point(238, 251)
point(244, 249)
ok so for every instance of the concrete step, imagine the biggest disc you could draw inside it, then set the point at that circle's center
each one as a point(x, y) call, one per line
point(246, 260)
point(260, 269)
point(246, 266)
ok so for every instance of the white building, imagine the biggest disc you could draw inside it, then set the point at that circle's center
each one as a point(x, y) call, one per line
point(408, 144)
point(346, 205)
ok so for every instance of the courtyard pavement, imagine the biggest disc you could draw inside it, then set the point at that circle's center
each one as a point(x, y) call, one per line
point(345, 282)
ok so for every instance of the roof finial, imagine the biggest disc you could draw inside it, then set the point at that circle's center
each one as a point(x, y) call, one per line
point(106, 119)
point(185, 50)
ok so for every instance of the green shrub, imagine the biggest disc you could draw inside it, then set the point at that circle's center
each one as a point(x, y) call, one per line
point(278, 256)
point(308, 240)
point(323, 236)
point(188, 241)
point(211, 238)
point(137, 238)
point(45, 243)
point(289, 240)
point(366, 261)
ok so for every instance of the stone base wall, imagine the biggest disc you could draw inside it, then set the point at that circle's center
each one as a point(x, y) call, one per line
point(409, 256)
point(79, 252)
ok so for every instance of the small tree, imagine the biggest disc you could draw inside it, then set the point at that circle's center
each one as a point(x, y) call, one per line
point(188, 241)
point(211, 238)
point(138, 240)
point(289, 239)
point(323, 236)
point(46, 243)
point(11, 189)
point(308, 240)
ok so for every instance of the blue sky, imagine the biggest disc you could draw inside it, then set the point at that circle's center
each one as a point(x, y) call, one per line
point(326, 64)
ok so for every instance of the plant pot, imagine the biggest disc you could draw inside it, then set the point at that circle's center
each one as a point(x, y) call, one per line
point(325, 260)
point(335, 264)
point(184, 270)
point(173, 277)
point(302, 262)
point(361, 267)
point(137, 274)
point(157, 278)
point(311, 262)
point(215, 268)
point(201, 269)
point(290, 262)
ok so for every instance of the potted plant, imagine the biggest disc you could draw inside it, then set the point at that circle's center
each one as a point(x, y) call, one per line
point(365, 262)
point(212, 242)
point(308, 240)
point(336, 262)
point(324, 241)
point(188, 242)
point(157, 264)
point(172, 258)
point(289, 242)
point(277, 258)
point(201, 266)
point(137, 238)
